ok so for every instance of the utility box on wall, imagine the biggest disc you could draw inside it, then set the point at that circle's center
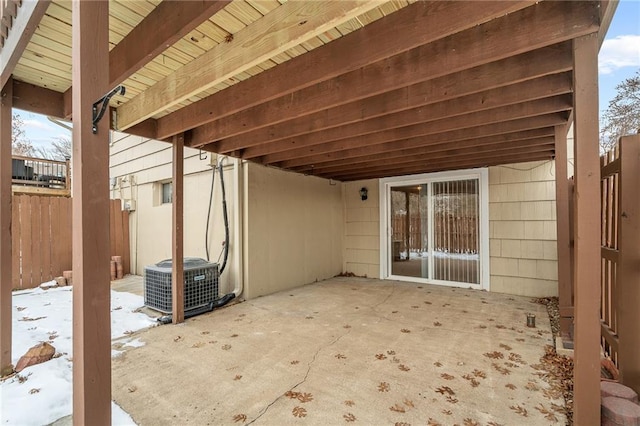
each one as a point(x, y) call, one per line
point(129, 205)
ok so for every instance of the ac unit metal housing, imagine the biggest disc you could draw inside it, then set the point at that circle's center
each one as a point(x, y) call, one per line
point(200, 284)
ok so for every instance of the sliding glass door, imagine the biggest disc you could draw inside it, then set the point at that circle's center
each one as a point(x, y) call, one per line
point(435, 228)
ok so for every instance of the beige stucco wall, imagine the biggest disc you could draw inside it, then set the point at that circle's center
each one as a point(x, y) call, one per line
point(362, 229)
point(301, 229)
point(522, 229)
point(137, 169)
point(293, 232)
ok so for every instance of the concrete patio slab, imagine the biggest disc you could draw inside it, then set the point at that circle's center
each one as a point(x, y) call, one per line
point(345, 350)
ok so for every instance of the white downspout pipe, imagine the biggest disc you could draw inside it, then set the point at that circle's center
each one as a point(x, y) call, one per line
point(238, 224)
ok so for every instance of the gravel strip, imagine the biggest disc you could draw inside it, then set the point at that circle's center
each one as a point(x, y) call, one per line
point(559, 368)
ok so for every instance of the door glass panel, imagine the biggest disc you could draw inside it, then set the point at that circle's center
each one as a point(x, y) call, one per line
point(410, 233)
point(456, 229)
point(449, 251)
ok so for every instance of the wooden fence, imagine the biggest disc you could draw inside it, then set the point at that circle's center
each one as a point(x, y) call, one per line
point(452, 234)
point(620, 248)
point(41, 237)
point(610, 203)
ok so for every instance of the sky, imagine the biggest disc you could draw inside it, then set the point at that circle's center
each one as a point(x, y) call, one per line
point(619, 59)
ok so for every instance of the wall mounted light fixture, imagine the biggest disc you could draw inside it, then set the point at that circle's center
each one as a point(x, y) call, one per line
point(363, 193)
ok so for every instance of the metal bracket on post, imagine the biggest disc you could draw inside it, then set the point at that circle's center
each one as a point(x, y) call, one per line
point(102, 104)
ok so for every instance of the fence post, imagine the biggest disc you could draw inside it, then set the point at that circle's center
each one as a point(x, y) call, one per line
point(565, 286)
point(629, 263)
point(6, 106)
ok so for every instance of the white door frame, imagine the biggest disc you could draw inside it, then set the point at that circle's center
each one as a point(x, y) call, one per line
point(482, 174)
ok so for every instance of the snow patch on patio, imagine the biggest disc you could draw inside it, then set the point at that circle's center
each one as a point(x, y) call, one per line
point(42, 394)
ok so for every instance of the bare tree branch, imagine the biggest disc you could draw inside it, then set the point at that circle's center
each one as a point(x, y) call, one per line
point(622, 116)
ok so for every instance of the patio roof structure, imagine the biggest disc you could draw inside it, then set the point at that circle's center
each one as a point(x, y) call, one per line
point(343, 90)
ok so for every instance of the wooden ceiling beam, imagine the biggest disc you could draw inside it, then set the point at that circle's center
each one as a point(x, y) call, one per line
point(455, 165)
point(607, 10)
point(163, 27)
point(345, 148)
point(285, 27)
point(421, 22)
point(520, 68)
point(553, 85)
point(533, 137)
point(454, 153)
point(543, 24)
point(538, 127)
point(496, 130)
point(37, 99)
point(27, 18)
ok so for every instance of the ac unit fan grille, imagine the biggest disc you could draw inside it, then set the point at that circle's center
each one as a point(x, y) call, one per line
point(200, 284)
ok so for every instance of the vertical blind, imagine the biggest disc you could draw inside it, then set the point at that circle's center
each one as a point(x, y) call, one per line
point(435, 231)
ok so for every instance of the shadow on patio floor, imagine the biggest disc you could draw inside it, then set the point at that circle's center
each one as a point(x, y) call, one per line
point(346, 350)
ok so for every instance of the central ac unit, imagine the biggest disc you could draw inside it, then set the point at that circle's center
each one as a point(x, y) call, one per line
point(200, 284)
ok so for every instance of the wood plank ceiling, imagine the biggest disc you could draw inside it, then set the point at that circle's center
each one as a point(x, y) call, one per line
point(339, 89)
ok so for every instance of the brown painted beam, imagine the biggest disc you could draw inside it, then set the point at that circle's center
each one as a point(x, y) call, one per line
point(177, 236)
point(306, 130)
point(467, 141)
point(628, 290)
point(37, 99)
point(146, 129)
point(565, 286)
point(284, 28)
point(543, 24)
point(607, 11)
point(441, 159)
point(497, 131)
point(362, 144)
point(6, 366)
point(586, 408)
point(435, 152)
point(528, 91)
point(48, 102)
point(401, 171)
point(90, 212)
point(24, 25)
point(421, 23)
point(429, 145)
point(163, 27)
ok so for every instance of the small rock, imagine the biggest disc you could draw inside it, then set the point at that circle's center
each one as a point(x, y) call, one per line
point(38, 354)
point(48, 285)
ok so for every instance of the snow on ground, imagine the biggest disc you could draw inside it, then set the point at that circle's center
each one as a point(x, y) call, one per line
point(441, 255)
point(41, 394)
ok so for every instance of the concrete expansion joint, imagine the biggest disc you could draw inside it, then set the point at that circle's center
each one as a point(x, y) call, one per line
point(304, 379)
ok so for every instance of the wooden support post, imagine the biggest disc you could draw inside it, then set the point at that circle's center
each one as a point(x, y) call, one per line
point(587, 232)
point(629, 248)
point(90, 213)
point(565, 286)
point(5, 229)
point(177, 281)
